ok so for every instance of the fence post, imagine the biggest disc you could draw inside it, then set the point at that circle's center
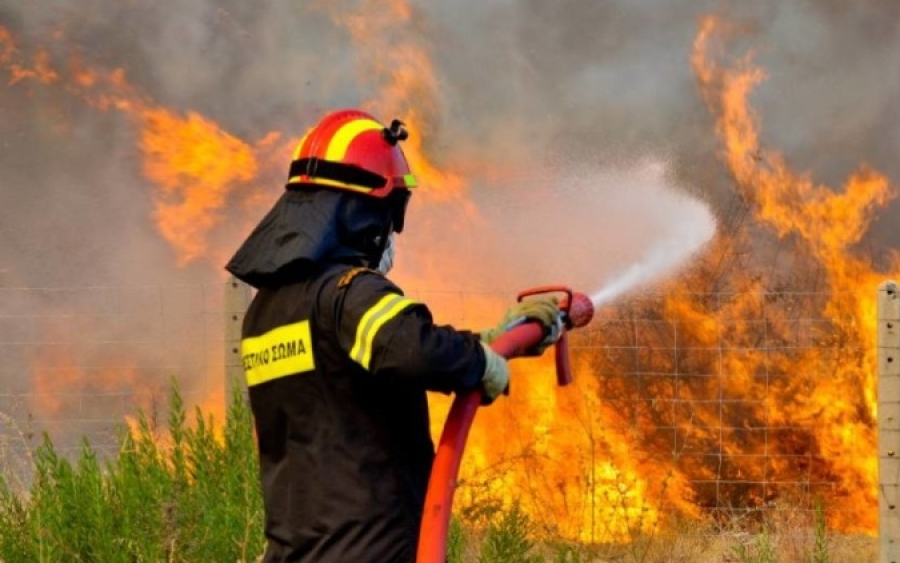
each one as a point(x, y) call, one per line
point(889, 421)
point(237, 299)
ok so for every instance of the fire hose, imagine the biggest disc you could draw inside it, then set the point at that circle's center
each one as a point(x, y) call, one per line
point(576, 311)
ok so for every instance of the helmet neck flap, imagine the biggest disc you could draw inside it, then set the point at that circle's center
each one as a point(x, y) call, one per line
point(310, 228)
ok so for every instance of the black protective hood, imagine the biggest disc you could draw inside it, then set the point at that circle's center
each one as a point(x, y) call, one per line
point(308, 228)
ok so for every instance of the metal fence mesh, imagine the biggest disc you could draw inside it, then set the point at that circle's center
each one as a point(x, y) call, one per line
point(79, 360)
point(723, 406)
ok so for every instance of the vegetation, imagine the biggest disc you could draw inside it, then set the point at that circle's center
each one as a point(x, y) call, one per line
point(183, 493)
point(188, 491)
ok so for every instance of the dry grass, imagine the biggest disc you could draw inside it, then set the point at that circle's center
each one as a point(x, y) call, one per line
point(786, 535)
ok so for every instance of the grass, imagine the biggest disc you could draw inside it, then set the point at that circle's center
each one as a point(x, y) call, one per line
point(187, 491)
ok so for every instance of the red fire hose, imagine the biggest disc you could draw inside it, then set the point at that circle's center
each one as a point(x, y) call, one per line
point(576, 310)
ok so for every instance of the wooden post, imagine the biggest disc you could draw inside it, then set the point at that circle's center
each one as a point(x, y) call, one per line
point(237, 299)
point(889, 421)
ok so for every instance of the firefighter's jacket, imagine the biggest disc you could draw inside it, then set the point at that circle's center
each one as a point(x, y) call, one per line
point(337, 367)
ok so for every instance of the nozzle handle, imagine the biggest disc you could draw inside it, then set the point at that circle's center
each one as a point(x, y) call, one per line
point(563, 363)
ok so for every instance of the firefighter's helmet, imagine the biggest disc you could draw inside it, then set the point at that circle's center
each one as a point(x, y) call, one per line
point(351, 150)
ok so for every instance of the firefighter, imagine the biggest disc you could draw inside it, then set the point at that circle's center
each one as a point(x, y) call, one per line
point(338, 360)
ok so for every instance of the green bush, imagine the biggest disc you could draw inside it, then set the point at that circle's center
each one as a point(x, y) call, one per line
point(185, 494)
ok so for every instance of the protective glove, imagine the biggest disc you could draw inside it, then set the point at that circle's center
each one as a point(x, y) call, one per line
point(496, 375)
point(544, 309)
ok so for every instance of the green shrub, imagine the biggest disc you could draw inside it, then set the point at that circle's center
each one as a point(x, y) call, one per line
point(182, 494)
point(509, 538)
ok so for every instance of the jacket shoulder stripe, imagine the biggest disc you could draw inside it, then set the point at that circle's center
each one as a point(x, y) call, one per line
point(371, 322)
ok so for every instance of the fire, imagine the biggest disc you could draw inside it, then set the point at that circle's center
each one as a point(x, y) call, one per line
point(82, 380)
point(38, 69)
point(195, 164)
point(404, 80)
point(41, 70)
point(582, 466)
point(71, 380)
point(569, 460)
point(824, 223)
point(748, 415)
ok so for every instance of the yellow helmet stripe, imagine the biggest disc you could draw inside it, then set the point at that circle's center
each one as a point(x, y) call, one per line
point(371, 322)
point(327, 182)
point(342, 138)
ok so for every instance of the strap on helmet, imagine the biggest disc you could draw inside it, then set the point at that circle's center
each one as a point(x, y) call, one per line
point(339, 172)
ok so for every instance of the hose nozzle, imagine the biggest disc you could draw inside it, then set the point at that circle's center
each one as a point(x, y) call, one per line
point(578, 308)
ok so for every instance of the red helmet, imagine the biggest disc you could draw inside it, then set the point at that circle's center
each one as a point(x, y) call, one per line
point(351, 150)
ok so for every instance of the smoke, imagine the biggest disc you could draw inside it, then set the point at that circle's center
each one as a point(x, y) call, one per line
point(548, 111)
point(597, 81)
point(601, 80)
point(581, 225)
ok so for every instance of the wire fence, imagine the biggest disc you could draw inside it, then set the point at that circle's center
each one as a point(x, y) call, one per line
point(723, 402)
point(78, 361)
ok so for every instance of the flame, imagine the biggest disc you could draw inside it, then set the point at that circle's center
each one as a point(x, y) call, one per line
point(199, 168)
point(583, 467)
point(39, 68)
point(572, 461)
point(568, 459)
point(69, 380)
point(777, 421)
point(77, 377)
point(195, 164)
point(405, 83)
point(824, 223)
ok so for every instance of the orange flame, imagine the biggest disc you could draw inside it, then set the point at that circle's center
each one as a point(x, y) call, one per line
point(400, 70)
point(193, 161)
point(826, 223)
point(196, 164)
point(580, 465)
point(39, 69)
point(66, 378)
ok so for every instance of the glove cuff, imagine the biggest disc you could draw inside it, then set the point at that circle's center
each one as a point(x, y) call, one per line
point(487, 336)
point(496, 374)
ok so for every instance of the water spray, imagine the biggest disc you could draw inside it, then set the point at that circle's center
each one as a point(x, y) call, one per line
point(661, 258)
point(576, 310)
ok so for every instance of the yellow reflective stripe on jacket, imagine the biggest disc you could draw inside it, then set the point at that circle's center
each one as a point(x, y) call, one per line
point(282, 351)
point(386, 309)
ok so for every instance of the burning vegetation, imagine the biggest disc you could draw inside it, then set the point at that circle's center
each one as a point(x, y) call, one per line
point(745, 382)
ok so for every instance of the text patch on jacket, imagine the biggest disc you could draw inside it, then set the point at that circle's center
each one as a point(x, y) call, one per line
point(282, 351)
